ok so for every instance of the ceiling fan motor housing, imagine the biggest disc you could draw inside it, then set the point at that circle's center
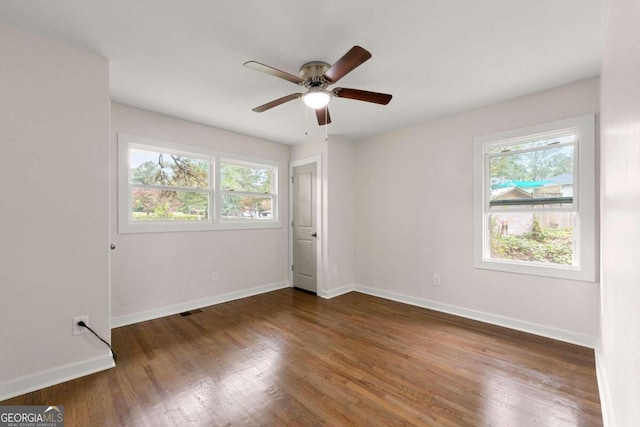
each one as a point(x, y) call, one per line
point(312, 73)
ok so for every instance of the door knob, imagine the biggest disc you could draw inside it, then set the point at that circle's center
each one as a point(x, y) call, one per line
point(314, 234)
point(112, 246)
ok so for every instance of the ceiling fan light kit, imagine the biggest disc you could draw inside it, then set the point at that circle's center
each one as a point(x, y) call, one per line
point(316, 76)
point(316, 98)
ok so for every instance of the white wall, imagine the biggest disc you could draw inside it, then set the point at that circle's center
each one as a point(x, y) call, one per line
point(619, 356)
point(54, 128)
point(155, 274)
point(414, 217)
point(309, 149)
point(340, 213)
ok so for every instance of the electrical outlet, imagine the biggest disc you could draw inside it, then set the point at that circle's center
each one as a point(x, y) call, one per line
point(214, 276)
point(436, 280)
point(335, 270)
point(79, 330)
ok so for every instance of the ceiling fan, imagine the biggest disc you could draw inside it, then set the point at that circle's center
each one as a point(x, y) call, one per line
point(316, 77)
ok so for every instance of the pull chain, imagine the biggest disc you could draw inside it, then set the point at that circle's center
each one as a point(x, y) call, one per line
point(306, 121)
point(326, 126)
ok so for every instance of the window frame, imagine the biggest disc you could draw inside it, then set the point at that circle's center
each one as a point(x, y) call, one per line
point(584, 200)
point(126, 224)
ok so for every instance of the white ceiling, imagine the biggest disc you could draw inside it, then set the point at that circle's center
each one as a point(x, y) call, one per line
point(184, 58)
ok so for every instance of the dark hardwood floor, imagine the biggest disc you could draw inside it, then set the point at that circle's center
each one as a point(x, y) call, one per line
point(290, 358)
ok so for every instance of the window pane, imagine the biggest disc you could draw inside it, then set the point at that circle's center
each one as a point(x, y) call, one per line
point(158, 168)
point(540, 237)
point(532, 143)
point(248, 179)
point(160, 205)
point(542, 177)
point(241, 207)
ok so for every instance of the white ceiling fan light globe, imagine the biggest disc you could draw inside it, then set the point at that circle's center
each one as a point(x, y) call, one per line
point(316, 98)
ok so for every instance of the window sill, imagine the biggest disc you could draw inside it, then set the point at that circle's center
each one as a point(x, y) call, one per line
point(586, 274)
point(172, 227)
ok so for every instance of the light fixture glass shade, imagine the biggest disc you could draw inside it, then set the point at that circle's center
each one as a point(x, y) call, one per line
point(316, 98)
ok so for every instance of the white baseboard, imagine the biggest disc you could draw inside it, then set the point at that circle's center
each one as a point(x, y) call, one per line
point(603, 389)
point(54, 376)
point(519, 325)
point(169, 310)
point(336, 292)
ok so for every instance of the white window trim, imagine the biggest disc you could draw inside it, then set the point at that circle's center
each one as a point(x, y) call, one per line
point(585, 200)
point(126, 225)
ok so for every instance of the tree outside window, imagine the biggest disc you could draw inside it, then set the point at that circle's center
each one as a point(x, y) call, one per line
point(169, 187)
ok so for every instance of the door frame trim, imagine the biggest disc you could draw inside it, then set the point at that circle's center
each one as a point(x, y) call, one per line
point(317, 159)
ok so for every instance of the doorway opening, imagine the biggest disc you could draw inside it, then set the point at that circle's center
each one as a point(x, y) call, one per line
point(305, 238)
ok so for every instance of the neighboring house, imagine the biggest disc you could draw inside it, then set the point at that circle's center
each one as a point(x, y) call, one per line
point(510, 193)
point(551, 190)
point(519, 223)
point(557, 186)
point(565, 181)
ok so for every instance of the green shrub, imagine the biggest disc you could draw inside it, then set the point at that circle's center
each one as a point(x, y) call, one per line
point(544, 245)
point(165, 216)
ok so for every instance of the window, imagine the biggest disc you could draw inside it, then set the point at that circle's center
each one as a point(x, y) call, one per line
point(534, 200)
point(246, 190)
point(170, 187)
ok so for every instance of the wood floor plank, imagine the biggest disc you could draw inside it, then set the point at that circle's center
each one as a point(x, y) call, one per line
point(290, 358)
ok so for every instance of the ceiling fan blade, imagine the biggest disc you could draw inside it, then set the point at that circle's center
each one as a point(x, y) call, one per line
point(362, 95)
point(276, 102)
point(273, 71)
point(323, 116)
point(343, 66)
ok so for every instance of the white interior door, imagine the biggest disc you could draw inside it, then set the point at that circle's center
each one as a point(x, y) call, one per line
point(305, 228)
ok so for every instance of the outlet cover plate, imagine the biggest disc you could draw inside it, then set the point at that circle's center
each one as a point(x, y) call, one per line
point(79, 330)
point(436, 280)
